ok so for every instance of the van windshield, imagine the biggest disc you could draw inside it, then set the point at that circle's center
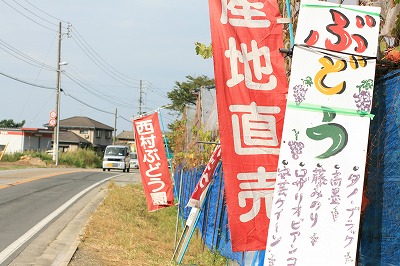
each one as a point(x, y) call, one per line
point(133, 155)
point(116, 151)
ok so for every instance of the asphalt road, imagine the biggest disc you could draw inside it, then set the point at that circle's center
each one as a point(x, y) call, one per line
point(36, 205)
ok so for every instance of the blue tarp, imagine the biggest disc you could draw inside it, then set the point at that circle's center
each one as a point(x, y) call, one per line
point(380, 224)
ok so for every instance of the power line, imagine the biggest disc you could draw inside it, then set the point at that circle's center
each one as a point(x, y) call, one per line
point(46, 12)
point(101, 96)
point(118, 73)
point(23, 57)
point(156, 90)
point(54, 24)
point(27, 82)
point(34, 21)
point(95, 108)
point(84, 103)
point(100, 62)
point(130, 121)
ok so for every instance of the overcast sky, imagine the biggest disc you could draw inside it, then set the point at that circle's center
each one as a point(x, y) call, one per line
point(111, 46)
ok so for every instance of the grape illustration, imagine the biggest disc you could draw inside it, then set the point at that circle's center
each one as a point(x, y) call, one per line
point(363, 100)
point(299, 93)
point(296, 148)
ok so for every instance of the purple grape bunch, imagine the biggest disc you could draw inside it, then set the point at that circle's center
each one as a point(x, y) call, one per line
point(296, 148)
point(299, 91)
point(363, 100)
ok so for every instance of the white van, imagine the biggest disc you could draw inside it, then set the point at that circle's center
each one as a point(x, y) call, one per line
point(116, 157)
point(134, 160)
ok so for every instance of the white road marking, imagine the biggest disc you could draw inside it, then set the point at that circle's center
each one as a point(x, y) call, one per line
point(7, 252)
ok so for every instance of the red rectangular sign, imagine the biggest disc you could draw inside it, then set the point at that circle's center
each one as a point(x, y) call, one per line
point(153, 163)
point(251, 96)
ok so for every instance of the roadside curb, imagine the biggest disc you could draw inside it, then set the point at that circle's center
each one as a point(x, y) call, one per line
point(64, 234)
point(76, 227)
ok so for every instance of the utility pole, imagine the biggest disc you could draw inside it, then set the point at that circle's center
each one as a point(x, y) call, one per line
point(115, 126)
point(140, 98)
point(57, 127)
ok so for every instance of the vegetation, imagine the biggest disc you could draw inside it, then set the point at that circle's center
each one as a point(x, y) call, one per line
point(203, 50)
point(123, 232)
point(9, 123)
point(185, 93)
point(184, 139)
point(82, 158)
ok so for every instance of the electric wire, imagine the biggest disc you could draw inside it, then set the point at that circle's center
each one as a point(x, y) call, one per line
point(84, 103)
point(97, 60)
point(32, 89)
point(27, 17)
point(97, 63)
point(46, 12)
point(154, 89)
point(78, 73)
point(115, 71)
point(123, 118)
point(87, 49)
point(27, 82)
point(54, 24)
point(23, 57)
point(101, 96)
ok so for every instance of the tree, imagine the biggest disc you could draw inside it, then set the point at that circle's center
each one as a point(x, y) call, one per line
point(203, 50)
point(11, 124)
point(185, 93)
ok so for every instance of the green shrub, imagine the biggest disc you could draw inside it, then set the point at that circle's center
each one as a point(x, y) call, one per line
point(12, 157)
point(83, 158)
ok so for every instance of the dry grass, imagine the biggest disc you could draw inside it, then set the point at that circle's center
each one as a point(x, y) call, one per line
point(123, 232)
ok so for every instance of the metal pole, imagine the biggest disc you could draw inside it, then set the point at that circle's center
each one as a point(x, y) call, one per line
point(115, 127)
point(140, 97)
point(289, 13)
point(57, 127)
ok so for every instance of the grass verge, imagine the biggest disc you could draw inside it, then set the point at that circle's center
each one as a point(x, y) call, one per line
point(122, 232)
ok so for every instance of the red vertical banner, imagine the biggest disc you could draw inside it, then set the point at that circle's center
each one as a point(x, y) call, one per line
point(251, 97)
point(205, 179)
point(153, 163)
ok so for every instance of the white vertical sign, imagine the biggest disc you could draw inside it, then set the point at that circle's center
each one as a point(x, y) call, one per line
point(317, 199)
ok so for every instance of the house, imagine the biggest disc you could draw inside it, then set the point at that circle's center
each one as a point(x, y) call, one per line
point(23, 139)
point(87, 132)
point(70, 141)
point(75, 132)
point(127, 138)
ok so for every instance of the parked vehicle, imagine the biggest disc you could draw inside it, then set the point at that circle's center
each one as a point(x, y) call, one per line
point(116, 157)
point(134, 160)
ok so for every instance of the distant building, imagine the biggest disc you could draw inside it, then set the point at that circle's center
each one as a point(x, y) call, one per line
point(69, 141)
point(127, 138)
point(23, 139)
point(88, 132)
point(75, 132)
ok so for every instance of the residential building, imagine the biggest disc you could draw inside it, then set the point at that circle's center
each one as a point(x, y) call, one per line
point(75, 132)
point(96, 133)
